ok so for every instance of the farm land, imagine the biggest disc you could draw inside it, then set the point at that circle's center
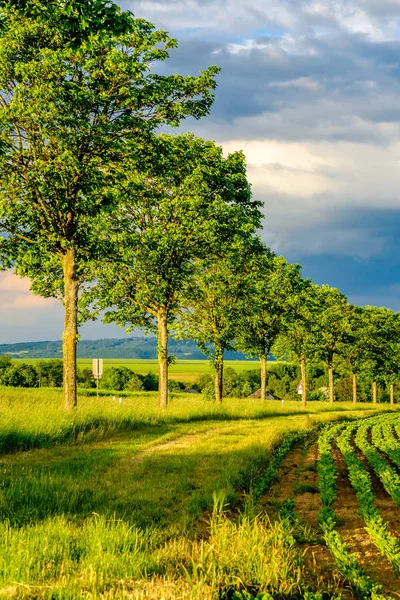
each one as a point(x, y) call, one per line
point(248, 499)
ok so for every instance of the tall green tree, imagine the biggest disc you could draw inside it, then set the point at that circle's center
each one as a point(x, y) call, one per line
point(215, 296)
point(331, 328)
point(380, 337)
point(78, 91)
point(266, 310)
point(354, 350)
point(183, 203)
point(298, 339)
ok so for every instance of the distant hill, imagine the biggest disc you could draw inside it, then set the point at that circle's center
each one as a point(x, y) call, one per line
point(133, 347)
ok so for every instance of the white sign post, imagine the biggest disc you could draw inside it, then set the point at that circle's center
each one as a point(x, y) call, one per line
point(97, 369)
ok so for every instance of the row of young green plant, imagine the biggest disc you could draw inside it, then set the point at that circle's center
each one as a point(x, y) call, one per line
point(346, 561)
point(158, 231)
point(360, 479)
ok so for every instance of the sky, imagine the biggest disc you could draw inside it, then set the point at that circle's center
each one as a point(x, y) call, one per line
point(310, 91)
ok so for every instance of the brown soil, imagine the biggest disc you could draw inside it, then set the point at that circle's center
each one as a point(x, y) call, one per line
point(297, 480)
point(297, 476)
point(351, 528)
point(383, 502)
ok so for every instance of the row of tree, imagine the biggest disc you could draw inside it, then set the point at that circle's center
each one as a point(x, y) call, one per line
point(145, 229)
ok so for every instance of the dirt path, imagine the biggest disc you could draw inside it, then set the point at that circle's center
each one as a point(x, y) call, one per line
point(297, 481)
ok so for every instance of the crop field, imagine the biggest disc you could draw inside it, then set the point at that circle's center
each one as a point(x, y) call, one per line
point(183, 370)
point(198, 501)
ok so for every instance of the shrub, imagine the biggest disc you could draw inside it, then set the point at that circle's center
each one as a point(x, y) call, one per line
point(116, 378)
point(50, 372)
point(5, 363)
point(20, 375)
point(135, 384)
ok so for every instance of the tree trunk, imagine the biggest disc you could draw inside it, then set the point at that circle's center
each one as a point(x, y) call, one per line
point(391, 394)
point(219, 372)
point(162, 335)
point(263, 362)
point(304, 382)
point(374, 393)
point(70, 333)
point(354, 388)
point(331, 390)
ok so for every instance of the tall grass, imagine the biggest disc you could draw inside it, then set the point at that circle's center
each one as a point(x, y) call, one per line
point(116, 499)
point(33, 418)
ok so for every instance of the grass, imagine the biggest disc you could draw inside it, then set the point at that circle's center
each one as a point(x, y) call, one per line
point(125, 501)
point(32, 418)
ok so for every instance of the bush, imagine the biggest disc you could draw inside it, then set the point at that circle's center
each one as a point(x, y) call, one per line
point(116, 378)
point(50, 372)
point(175, 386)
point(135, 384)
point(20, 375)
point(150, 382)
point(316, 395)
point(5, 363)
point(344, 390)
point(85, 378)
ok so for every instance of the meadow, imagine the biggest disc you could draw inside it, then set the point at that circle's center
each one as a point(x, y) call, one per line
point(124, 501)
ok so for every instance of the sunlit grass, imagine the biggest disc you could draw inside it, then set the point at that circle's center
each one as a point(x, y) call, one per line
point(114, 500)
point(33, 418)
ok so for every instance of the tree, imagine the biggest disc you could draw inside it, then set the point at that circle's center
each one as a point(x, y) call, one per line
point(183, 202)
point(380, 337)
point(273, 284)
point(354, 350)
point(330, 328)
point(298, 339)
point(76, 93)
point(214, 297)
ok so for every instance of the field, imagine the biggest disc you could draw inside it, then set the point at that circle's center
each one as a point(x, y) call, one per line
point(183, 370)
point(198, 501)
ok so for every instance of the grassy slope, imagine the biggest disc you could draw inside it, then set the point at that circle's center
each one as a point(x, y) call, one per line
point(97, 517)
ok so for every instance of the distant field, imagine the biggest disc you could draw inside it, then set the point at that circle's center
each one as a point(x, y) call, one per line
point(182, 370)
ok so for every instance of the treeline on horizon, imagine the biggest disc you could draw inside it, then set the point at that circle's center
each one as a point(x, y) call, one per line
point(151, 229)
point(128, 347)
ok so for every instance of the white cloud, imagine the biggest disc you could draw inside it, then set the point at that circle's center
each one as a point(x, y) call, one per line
point(306, 83)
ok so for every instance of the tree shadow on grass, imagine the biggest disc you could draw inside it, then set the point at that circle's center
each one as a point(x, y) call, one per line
point(152, 489)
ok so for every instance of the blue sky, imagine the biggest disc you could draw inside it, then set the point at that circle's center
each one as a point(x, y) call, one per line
point(310, 91)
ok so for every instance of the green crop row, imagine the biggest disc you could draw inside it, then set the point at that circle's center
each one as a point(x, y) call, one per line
point(360, 479)
point(346, 561)
point(383, 437)
point(388, 476)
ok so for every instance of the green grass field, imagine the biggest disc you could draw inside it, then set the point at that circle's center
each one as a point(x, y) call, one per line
point(125, 501)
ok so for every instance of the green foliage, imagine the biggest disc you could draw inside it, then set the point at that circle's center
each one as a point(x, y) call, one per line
point(116, 378)
point(5, 362)
point(79, 96)
point(50, 372)
point(20, 376)
point(272, 285)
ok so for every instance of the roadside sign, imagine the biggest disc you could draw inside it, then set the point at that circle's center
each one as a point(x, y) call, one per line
point(97, 368)
point(300, 388)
